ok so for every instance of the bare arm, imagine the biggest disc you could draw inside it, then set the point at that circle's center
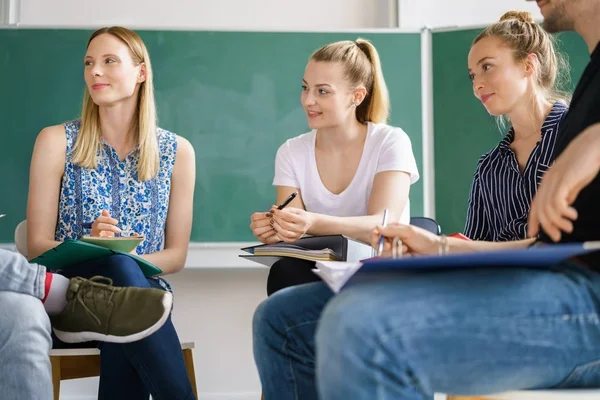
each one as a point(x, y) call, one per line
point(386, 186)
point(419, 241)
point(45, 174)
point(384, 194)
point(179, 217)
point(460, 246)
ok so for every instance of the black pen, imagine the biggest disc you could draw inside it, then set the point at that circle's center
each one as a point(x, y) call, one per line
point(287, 201)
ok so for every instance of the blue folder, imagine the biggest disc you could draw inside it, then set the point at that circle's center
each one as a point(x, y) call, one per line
point(542, 256)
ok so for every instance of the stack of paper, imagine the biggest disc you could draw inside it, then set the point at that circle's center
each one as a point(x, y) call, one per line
point(291, 250)
point(336, 273)
point(310, 248)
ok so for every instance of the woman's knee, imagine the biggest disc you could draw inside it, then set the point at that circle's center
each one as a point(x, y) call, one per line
point(123, 271)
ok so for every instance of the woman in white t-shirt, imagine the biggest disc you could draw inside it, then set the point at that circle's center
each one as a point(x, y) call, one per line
point(348, 169)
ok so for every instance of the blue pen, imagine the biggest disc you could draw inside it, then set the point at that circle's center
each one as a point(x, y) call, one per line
point(381, 238)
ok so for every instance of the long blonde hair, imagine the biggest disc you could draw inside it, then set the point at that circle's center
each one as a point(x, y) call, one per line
point(362, 66)
point(144, 126)
point(519, 31)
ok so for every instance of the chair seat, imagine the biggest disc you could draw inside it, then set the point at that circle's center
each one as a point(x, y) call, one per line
point(93, 351)
point(563, 394)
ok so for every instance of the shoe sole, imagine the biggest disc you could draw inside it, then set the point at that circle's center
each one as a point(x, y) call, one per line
point(84, 336)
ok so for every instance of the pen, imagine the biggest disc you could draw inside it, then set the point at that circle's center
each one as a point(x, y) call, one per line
point(287, 201)
point(381, 238)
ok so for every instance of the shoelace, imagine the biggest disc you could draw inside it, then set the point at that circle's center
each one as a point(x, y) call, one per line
point(87, 286)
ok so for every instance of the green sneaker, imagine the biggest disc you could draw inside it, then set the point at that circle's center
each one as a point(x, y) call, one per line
point(97, 310)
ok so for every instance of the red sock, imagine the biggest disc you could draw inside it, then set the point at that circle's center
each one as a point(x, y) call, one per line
point(47, 285)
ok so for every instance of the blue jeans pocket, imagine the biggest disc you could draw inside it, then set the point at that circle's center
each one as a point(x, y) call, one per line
point(583, 376)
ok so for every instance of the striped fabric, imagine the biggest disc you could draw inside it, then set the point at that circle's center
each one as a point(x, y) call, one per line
point(501, 194)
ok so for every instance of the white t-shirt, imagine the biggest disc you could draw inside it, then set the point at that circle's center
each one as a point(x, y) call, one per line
point(386, 149)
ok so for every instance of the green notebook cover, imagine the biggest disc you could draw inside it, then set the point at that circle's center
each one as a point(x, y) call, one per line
point(73, 252)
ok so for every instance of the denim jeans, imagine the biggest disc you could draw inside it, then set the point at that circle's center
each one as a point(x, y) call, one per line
point(20, 276)
point(133, 371)
point(25, 372)
point(408, 336)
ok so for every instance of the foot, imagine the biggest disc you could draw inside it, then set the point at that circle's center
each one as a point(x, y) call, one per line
point(97, 310)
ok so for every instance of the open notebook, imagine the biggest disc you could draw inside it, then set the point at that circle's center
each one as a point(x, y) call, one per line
point(338, 274)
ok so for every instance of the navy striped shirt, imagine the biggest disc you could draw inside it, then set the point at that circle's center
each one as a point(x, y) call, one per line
point(501, 194)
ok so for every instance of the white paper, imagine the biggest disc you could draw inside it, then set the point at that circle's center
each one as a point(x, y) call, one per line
point(336, 273)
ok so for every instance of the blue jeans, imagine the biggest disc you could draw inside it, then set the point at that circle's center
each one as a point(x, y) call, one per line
point(408, 336)
point(25, 341)
point(153, 365)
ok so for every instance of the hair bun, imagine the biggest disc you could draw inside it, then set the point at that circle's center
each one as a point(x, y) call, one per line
point(523, 16)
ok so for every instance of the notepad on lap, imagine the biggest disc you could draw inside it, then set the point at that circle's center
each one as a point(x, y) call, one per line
point(337, 275)
point(71, 253)
point(310, 248)
point(120, 243)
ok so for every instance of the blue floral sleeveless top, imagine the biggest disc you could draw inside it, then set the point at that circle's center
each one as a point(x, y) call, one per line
point(140, 207)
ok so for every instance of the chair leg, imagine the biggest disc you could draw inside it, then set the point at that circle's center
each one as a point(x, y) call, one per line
point(55, 363)
point(188, 357)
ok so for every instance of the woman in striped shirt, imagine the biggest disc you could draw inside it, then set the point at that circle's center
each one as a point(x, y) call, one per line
point(514, 69)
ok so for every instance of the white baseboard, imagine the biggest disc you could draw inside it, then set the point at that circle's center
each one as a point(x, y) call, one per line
point(203, 396)
point(207, 255)
point(229, 396)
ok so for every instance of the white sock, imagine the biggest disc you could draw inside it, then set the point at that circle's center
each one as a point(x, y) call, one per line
point(57, 295)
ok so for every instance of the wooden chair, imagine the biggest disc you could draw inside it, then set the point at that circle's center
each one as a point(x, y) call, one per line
point(85, 363)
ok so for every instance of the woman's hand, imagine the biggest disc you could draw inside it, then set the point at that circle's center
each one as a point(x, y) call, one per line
point(260, 223)
point(415, 241)
point(105, 226)
point(291, 223)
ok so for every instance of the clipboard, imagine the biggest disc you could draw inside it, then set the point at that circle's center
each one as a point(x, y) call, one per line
point(74, 252)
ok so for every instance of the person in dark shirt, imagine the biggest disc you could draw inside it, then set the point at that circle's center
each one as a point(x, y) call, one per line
point(568, 204)
point(467, 332)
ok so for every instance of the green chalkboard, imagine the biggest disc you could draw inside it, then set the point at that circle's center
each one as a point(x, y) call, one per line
point(234, 95)
point(463, 130)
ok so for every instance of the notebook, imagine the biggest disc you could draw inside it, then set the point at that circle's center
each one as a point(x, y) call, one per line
point(338, 274)
point(310, 248)
point(71, 253)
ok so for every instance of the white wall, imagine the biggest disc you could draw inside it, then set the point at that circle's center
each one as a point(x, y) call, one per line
point(445, 13)
point(208, 14)
point(264, 14)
